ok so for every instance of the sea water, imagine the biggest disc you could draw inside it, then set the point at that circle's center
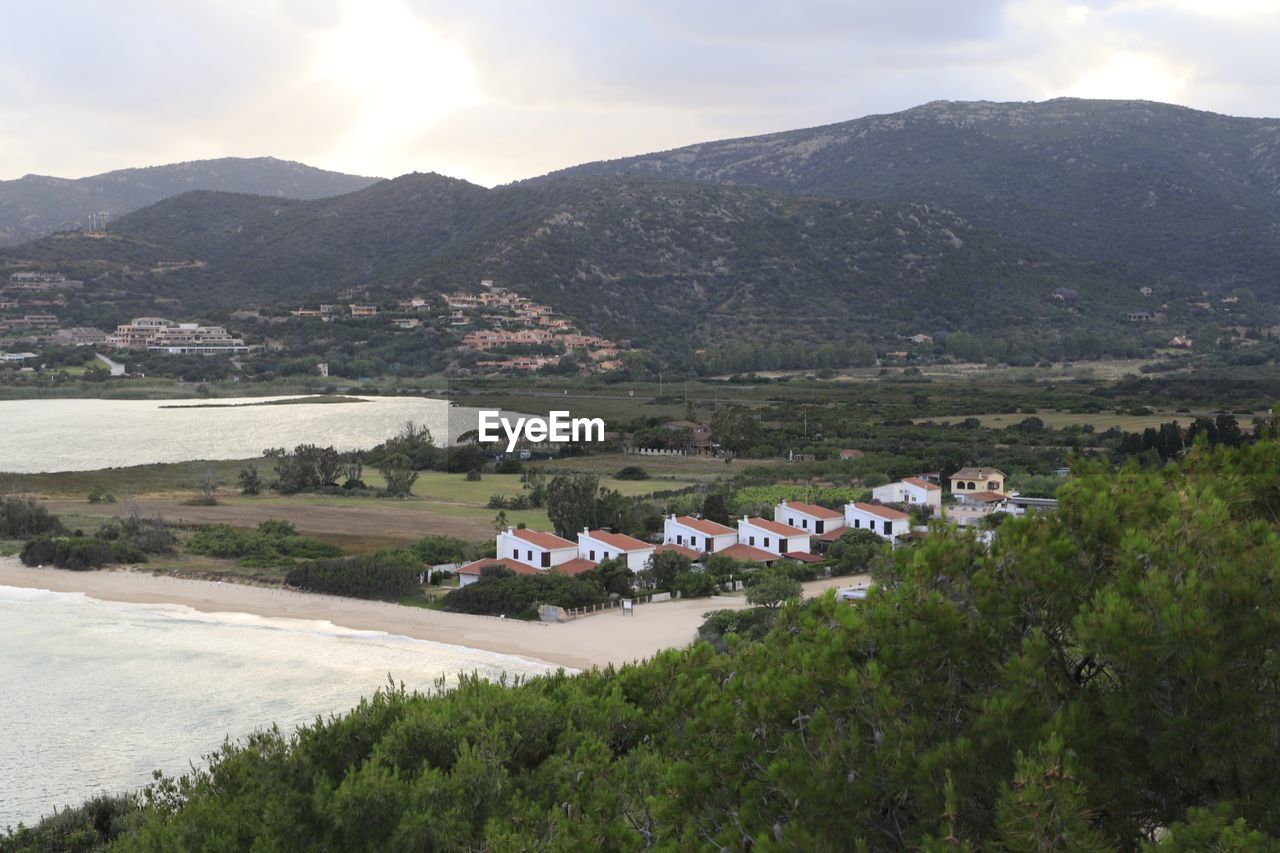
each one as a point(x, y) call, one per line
point(96, 695)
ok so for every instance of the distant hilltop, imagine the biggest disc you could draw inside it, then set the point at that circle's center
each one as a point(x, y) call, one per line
point(36, 205)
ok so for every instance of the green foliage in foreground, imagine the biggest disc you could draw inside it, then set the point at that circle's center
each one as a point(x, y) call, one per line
point(1095, 680)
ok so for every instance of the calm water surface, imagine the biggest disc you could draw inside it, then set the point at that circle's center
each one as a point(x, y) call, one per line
point(85, 435)
point(95, 695)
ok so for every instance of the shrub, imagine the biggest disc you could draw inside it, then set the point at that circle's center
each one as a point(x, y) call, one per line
point(382, 575)
point(20, 519)
point(509, 466)
point(771, 588)
point(510, 594)
point(271, 544)
point(473, 476)
point(631, 472)
point(696, 585)
point(79, 553)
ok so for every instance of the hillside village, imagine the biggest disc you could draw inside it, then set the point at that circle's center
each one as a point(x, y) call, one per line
point(493, 329)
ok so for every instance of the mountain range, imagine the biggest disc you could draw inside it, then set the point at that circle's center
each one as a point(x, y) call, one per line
point(950, 216)
point(35, 205)
point(1175, 191)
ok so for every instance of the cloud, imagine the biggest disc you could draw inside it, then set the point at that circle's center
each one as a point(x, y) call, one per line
point(498, 91)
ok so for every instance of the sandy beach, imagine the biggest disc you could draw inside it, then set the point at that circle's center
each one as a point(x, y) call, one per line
point(608, 638)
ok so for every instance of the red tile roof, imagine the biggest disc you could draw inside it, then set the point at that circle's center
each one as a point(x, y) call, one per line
point(710, 528)
point(803, 557)
point(576, 566)
point(833, 534)
point(678, 549)
point(986, 497)
point(549, 541)
point(776, 527)
point(814, 510)
point(882, 511)
point(924, 484)
point(747, 554)
point(618, 540)
point(514, 565)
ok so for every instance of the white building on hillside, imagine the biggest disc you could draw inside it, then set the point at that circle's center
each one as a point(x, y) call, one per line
point(697, 534)
point(810, 518)
point(534, 548)
point(910, 490)
point(772, 536)
point(888, 523)
point(597, 545)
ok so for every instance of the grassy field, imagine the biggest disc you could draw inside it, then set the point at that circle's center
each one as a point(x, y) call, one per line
point(441, 503)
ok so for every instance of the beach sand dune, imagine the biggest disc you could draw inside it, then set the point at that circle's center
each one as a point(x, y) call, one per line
point(607, 638)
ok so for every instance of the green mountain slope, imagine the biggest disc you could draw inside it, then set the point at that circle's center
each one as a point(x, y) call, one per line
point(35, 205)
point(683, 264)
point(1175, 191)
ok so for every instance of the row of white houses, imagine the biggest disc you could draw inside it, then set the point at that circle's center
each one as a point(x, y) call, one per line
point(796, 531)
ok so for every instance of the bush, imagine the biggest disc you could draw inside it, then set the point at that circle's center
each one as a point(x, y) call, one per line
point(434, 550)
point(696, 585)
point(473, 476)
point(384, 575)
point(516, 595)
point(750, 624)
point(21, 519)
point(772, 587)
point(631, 472)
point(273, 543)
point(509, 466)
point(79, 553)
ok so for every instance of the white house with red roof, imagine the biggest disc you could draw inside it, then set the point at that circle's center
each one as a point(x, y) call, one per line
point(810, 518)
point(889, 523)
point(772, 536)
point(697, 534)
point(597, 545)
point(910, 490)
point(534, 548)
point(528, 552)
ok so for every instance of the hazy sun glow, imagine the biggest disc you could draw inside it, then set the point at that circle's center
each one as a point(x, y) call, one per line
point(397, 74)
point(1131, 75)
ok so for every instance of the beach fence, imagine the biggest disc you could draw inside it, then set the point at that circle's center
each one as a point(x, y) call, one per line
point(550, 613)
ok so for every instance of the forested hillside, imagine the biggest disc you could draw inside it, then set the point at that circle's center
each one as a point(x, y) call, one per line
point(1169, 190)
point(1096, 680)
point(681, 264)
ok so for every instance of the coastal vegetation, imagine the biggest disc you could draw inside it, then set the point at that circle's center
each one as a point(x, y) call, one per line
point(502, 592)
point(272, 543)
point(387, 575)
point(1102, 678)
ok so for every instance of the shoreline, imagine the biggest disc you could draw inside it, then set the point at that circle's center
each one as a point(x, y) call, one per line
point(593, 641)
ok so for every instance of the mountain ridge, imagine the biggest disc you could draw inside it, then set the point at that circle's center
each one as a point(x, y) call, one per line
point(36, 205)
point(1172, 190)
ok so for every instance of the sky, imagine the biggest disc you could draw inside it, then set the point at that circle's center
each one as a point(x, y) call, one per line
point(497, 91)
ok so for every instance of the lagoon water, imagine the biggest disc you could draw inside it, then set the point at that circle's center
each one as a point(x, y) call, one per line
point(95, 695)
point(85, 435)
